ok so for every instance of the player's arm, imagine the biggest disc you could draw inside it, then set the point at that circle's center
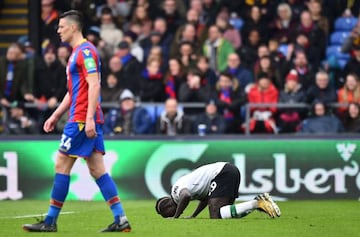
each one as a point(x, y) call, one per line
point(94, 93)
point(93, 96)
point(185, 198)
point(63, 107)
point(202, 204)
point(49, 124)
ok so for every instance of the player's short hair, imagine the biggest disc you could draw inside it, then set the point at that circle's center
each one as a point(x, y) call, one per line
point(166, 207)
point(74, 16)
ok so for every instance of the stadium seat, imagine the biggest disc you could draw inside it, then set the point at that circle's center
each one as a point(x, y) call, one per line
point(283, 48)
point(342, 62)
point(336, 50)
point(237, 23)
point(338, 37)
point(345, 23)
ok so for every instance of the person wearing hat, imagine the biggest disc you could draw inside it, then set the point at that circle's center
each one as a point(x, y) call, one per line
point(136, 50)
point(131, 67)
point(93, 35)
point(19, 122)
point(210, 121)
point(109, 32)
point(129, 119)
point(289, 118)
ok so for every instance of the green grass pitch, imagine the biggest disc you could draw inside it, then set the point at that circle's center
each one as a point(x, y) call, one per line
point(86, 218)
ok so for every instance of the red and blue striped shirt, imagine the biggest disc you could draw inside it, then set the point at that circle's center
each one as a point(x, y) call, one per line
point(83, 61)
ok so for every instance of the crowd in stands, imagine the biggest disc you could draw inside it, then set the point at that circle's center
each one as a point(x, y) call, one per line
point(222, 54)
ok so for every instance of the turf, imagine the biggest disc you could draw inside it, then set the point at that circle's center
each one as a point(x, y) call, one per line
point(299, 218)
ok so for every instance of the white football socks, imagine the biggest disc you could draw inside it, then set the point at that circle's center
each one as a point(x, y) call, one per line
point(238, 210)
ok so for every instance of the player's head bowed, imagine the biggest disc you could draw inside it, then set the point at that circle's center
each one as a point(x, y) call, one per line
point(166, 207)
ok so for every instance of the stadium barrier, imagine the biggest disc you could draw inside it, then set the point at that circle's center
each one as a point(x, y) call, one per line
point(144, 167)
point(155, 109)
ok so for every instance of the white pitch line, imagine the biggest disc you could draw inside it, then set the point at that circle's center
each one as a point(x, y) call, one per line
point(36, 215)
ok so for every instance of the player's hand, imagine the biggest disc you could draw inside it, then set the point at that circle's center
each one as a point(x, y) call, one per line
point(49, 124)
point(90, 130)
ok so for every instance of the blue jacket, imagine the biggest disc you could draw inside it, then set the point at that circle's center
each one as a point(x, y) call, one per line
point(141, 122)
point(322, 124)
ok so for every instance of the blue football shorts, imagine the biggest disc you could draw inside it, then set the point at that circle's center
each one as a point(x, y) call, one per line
point(74, 142)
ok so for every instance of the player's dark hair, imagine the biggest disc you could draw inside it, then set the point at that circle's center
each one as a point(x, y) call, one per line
point(74, 16)
point(163, 207)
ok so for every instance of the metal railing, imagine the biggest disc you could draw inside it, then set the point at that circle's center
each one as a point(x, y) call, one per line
point(158, 107)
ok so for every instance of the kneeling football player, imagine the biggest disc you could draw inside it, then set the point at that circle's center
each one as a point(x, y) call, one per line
point(215, 185)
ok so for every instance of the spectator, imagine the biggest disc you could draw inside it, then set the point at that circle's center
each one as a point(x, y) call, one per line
point(283, 26)
point(109, 32)
point(136, 50)
point(111, 91)
point(159, 36)
point(119, 9)
point(229, 32)
point(304, 70)
point(353, 41)
point(315, 34)
point(266, 66)
point(209, 122)
point(171, 14)
point(353, 65)
point(188, 34)
point(129, 119)
point(217, 49)
point(312, 52)
point(63, 53)
point(255, 22)
point(316, 12)
point(197, 6)
point(262, 118)
point(105, 49)
point(19, 121)
point(187, 55)
point(49, 21)
point(131, 67)
point(141, 17)
point(49, 84)
point(236, 68)
point(156, 54)
point(322, 90)
point(289, 118)
point(206, 72)
point(352, 118)
point(14, 81)
point(349, 93)
point(172, 120)
point(321, 121)
point(296, 7)
point(210, 11)
point(333, 68)
point(173, 78)
point(192, 17)
point(229, 101)
point(248, 51)
point(277, 57)
point(152, 82)
point(114, 67)
point(195, 89)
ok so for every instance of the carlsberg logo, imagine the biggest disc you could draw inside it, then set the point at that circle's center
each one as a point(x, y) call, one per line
point(280, 177)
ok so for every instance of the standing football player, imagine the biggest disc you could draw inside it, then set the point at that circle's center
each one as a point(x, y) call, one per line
point(215, 185)
point(82, 135)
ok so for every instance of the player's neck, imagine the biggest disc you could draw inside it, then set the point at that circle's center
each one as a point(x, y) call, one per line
point(77, 40)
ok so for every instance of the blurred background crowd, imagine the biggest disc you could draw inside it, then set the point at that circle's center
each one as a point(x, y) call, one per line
point(192, 66)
